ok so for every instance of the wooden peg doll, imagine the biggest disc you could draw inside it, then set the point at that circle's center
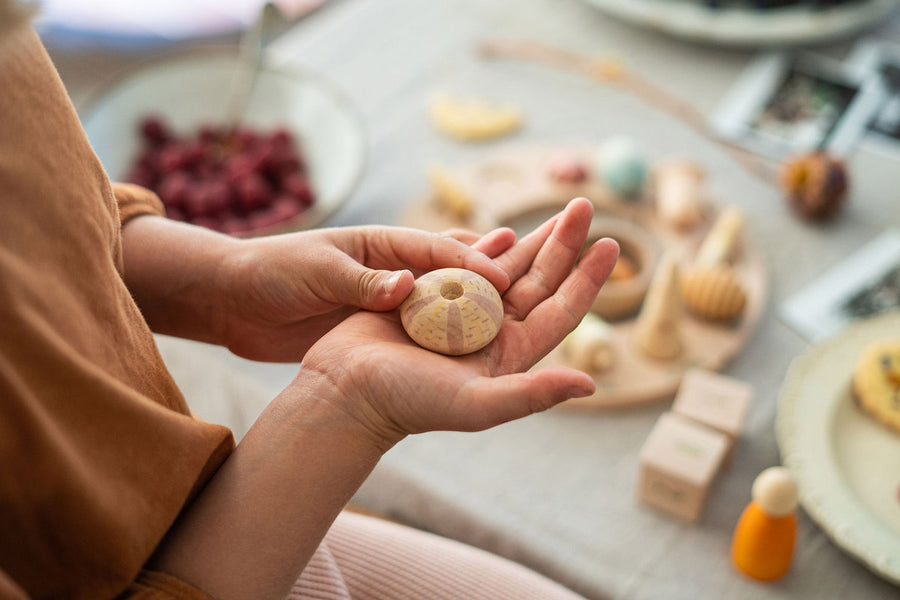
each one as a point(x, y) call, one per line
point(763, 543)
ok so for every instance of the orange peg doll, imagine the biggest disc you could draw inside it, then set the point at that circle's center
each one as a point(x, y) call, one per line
point(763, 543)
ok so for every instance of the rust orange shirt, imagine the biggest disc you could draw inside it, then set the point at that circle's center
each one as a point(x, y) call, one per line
point(98, 450)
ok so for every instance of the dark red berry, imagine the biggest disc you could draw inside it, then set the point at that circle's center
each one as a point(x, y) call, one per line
point(297, 186)
point(174, 188)
point(172, 158)
point(155, 131)
point(253, 191)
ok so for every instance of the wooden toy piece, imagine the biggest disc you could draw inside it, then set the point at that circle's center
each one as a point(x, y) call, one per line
point(815, 185)
point(679, 194)
point(621, 296)
point(763, 542)
point(658, 326)
point(450, 194)
point(590, 346)
point(473, 119)
point(678, 464)
point(720, 244)
point(452, 311)
point(715, 400)
point(567, 168)
point(622, 167)
point(713, 293)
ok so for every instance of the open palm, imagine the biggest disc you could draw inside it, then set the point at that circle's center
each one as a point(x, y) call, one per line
point(394, 387)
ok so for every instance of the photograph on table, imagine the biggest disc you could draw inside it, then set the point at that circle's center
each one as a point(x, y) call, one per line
point(789, 103)
point(881, 61)
point(865, 284)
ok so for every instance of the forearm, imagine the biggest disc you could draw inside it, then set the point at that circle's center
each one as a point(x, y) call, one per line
point(255, 526)
point(174, 273)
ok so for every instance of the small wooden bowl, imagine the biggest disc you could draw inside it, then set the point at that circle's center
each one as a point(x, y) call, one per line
point(621, 298)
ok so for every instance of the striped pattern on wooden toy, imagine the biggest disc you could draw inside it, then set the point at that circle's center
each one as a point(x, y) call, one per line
point(714, 294)
point(452, 311)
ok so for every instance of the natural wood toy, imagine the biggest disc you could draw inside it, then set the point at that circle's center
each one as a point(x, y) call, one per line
point(622, 294)
point(713, 294)
point(520, 186)
point(721, 244)
point(679, 194)
point(567, 168)
point(452, 311)
point(658, 328)
point(678, 464)
point(622, 167)
point(815, 185)
point(449, 194)
point(473, 119)
point(714, 400)
point(763, 543)
point(710, 287)
point(590, 347)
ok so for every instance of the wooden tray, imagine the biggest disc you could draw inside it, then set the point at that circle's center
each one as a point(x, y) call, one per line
point(511, 188)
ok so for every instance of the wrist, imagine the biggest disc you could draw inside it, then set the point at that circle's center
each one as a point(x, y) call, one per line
point(328, 398)
point(175, 274)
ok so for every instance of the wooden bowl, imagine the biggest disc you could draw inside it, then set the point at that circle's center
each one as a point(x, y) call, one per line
point(621, 298)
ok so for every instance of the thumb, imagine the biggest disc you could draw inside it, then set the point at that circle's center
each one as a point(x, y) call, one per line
point(380, 290)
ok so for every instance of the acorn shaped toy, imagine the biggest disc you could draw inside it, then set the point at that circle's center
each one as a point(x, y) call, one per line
point(763, 543)
point(452, 311)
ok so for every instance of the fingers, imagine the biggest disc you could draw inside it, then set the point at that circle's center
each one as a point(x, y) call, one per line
point(398, 247)
point(493, 244)
point(490, 401)
point(553, 318)
point(517, 260)
point(496, 242)
point(553, 261)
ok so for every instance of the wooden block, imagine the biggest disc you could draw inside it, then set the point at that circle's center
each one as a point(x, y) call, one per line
point(678, 463)
point(714, 400)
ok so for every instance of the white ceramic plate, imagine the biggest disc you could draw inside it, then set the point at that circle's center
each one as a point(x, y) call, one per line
point(846, 464)
point(799, 24)
point(190, 89)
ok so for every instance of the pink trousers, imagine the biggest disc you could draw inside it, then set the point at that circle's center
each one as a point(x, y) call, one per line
point(365, 558)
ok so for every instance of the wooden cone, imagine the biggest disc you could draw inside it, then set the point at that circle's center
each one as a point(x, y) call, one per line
point(658, 326)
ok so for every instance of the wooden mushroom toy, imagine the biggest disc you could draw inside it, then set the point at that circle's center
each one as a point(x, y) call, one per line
point(452, 311)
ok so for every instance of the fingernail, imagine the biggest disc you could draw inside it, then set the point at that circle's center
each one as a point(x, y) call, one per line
point(580, 391)
point(390, 284)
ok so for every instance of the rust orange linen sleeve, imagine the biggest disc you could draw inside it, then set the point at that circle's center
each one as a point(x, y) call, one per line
point(99, 453)
point(133, 201)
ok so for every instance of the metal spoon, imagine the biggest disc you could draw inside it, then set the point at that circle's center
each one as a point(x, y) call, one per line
point(250, 58)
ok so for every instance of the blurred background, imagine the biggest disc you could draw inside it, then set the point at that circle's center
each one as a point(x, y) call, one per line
point(418, 113)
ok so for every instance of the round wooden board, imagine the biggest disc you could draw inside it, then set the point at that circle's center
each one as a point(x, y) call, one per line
point(511, 188)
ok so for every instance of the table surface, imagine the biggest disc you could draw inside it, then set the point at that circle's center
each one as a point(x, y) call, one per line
point(556, 491)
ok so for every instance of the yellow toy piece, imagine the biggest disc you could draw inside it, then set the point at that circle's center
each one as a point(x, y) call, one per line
point(473, 119)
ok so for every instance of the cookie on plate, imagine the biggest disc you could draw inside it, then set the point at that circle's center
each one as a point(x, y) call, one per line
point(876, 382)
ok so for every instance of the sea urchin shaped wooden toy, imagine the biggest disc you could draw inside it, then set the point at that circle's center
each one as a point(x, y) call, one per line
point(452, 311)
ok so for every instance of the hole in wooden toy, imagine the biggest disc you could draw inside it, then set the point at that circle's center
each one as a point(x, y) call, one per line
point(451, 290)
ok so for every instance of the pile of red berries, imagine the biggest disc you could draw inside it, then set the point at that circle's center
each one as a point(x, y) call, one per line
point(231, 181)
